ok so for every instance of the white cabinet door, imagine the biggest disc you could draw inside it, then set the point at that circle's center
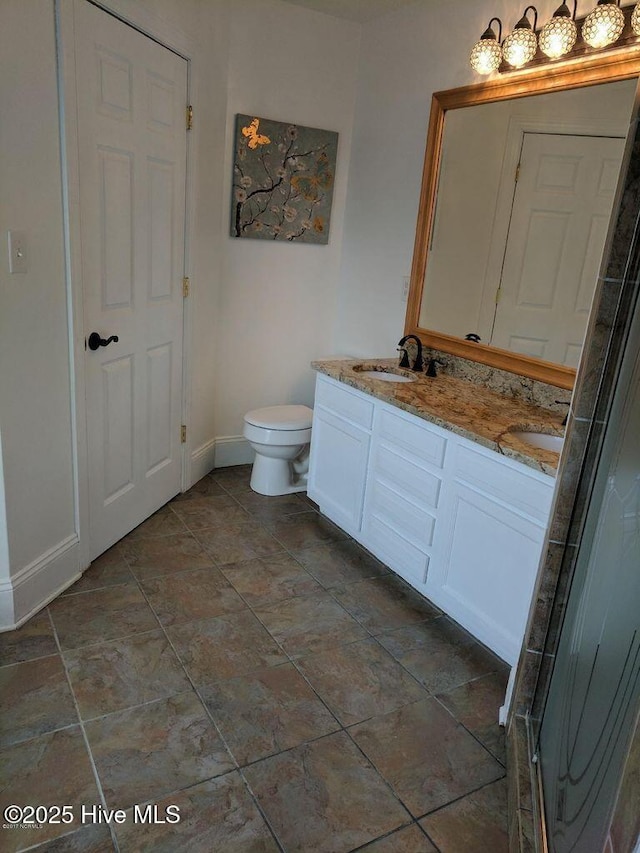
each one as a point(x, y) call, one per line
point(486, 577)
point(494, 521)
point(338, 468)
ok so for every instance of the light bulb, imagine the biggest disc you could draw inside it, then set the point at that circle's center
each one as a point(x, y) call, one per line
point(519, 47)
point(486, 54)
point(558, 35)
point(604, 25)
point(635, 20)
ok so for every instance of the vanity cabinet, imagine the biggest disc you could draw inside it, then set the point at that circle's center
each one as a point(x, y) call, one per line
point(340, 441)
point(459, 522)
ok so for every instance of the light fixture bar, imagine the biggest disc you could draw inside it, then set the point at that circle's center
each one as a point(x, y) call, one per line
point(554, 36)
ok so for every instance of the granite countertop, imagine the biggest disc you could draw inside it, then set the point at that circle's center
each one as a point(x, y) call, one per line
point(467, 409)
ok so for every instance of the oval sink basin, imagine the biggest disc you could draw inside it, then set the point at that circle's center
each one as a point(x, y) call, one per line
point(541, 440)
point(386, 377)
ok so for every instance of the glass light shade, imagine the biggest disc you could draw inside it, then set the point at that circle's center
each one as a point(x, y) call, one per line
point(603, 26)
point(519, 47)
point(486, 56)
point(557, 37)
point(635, 20)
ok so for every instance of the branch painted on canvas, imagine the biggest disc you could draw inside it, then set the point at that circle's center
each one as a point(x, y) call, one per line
point(283, 177)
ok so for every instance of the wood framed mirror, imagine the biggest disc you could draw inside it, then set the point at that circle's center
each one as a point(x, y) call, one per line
point(582, 74)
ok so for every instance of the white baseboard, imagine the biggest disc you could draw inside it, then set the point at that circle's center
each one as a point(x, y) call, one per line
point(35, 585)
point(202, 460)
point(220, 452)
point(232, 450)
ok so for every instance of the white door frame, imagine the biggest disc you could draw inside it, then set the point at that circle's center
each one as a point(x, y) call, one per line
point(131, 14)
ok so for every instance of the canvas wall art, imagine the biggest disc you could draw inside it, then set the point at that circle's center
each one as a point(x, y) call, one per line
point(283, 177)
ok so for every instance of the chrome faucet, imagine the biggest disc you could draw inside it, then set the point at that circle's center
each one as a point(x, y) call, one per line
point(404, 361)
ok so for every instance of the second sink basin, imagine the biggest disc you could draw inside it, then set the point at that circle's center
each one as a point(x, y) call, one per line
point(541, 439)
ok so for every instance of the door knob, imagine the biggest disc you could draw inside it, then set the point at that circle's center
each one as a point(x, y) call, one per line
point(95, 341)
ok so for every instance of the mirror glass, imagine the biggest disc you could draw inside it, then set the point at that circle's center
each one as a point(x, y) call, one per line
point(515, 206)
point(524, 198)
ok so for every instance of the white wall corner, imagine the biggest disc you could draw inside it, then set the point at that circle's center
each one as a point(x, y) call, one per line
point(35, 585)
point(7, 620)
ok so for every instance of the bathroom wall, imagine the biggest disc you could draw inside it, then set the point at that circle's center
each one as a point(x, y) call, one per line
point(35, 384)
point(278, 300)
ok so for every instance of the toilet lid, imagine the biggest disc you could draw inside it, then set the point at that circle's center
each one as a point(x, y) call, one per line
point(281, 417)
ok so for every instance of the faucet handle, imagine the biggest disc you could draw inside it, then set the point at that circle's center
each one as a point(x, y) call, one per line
point(431, 367)
point(404, 361)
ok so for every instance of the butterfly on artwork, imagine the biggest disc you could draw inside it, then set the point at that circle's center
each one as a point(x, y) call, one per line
point(310, 186)
point(255, 138)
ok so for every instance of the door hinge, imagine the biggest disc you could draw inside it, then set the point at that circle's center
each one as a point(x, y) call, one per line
point(498, 294)
point(185, 286)
point(189, 117)
point(183, 434)
point(517, 173)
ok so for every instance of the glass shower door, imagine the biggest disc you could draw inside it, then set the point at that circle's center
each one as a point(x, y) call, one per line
point(594, 696)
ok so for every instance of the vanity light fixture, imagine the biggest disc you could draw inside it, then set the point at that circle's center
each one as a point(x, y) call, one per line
point(604, 25)
point(635, 20)
point(520, 46)
point(559, 35)
point(486, 54)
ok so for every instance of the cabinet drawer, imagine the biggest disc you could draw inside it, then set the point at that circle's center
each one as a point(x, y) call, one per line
point(498, 477)
point(405, 518)
point(413, 437)
point(349, 404)
point(396, 552)
point(417, 483)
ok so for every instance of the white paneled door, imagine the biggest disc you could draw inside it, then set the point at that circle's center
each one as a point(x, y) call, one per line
point(132, 96)
point(561, 211)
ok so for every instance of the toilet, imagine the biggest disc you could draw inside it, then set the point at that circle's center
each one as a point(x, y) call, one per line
point(280, 436)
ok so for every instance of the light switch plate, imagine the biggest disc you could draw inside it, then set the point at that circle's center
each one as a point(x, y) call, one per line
point(17, 241)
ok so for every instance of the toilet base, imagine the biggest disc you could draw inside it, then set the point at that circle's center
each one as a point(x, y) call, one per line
point(273, 477)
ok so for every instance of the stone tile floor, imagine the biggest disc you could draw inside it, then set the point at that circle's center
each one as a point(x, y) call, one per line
point(240, 658)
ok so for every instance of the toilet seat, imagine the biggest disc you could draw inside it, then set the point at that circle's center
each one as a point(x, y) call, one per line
point(281, 417)
point(283, 437)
